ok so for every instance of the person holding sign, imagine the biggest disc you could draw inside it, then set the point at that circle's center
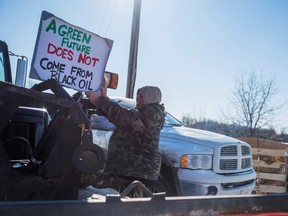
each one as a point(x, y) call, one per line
point(133, 152)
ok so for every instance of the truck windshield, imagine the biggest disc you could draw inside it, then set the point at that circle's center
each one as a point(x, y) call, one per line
point(129, 103)
point(171, 121)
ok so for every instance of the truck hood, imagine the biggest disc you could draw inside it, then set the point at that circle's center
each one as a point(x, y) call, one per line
point(176, 141)
point(196, 136)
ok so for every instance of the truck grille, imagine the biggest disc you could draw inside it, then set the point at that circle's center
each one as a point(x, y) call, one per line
point(15, 138)
point(233, 158)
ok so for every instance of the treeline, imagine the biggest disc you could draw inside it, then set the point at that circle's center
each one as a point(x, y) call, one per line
point(233, 130)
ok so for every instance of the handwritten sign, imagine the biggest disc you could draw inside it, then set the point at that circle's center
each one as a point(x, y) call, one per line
point(76, 58)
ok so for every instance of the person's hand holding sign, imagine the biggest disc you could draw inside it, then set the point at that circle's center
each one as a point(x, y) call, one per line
point(93, 96)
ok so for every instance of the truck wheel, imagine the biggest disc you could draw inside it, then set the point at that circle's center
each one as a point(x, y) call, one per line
point(165, 183)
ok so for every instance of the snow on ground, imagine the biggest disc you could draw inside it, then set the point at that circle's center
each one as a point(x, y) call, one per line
point(91, 193)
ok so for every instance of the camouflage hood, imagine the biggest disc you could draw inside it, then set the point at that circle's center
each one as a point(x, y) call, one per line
point(151, 94)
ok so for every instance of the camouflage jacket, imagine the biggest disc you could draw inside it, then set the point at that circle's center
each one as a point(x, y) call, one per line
point(134, 146)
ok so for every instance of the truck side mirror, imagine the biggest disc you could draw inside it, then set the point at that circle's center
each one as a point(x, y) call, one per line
point(112, 79)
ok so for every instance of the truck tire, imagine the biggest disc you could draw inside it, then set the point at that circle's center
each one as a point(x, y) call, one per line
point(165, 182)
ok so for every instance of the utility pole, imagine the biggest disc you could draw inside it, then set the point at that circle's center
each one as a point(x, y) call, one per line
point(132, 66)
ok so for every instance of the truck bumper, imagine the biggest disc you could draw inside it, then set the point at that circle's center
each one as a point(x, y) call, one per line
point(206, 182)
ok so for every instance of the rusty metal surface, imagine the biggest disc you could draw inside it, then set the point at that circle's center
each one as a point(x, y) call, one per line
point(228, 205)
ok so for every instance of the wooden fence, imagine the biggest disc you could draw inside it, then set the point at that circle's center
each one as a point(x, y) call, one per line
point(270, 164)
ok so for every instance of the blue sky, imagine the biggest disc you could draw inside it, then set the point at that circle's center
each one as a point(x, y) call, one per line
point(194, 50)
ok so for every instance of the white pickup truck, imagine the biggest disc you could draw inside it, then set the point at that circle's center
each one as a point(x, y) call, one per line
point(194, 162)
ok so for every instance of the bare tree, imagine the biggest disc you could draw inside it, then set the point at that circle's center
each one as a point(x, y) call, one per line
point(253, 103)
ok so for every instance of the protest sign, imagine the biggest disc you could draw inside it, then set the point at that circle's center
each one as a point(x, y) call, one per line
point(74, 57)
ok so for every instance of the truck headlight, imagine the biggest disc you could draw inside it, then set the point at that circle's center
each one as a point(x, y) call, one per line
point(196, 161)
